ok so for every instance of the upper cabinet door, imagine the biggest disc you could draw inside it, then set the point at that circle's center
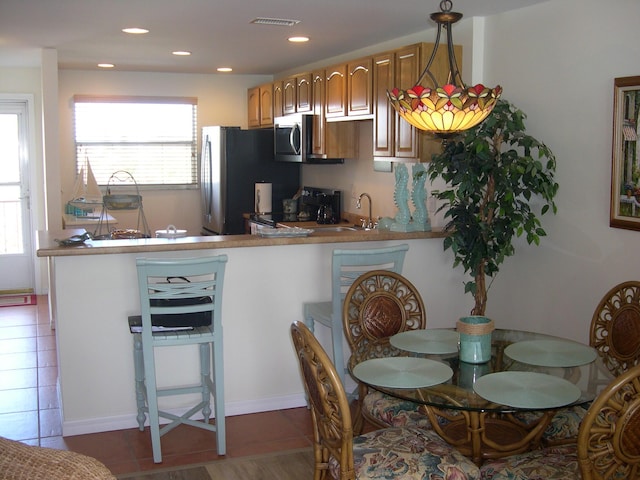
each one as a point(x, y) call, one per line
point(277, 99)
point(383, 112)
point(260, 106)
point(289, 100)
point(318, 146)
point(266, 105)
point(304, 93)
point(359, 86)
point(407, 63)
point(336, 91)
point(253, 103)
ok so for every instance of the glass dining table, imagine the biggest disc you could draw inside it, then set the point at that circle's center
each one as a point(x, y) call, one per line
point(493, 409)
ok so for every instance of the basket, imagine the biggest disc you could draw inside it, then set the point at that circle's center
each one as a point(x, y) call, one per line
point(122, 202)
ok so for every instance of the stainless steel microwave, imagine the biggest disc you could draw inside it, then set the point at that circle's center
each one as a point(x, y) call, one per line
point(293, 140)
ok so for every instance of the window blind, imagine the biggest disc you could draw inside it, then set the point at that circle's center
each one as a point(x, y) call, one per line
point(152, 138)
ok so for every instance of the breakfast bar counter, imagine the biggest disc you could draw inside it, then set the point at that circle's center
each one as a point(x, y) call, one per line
point(93, 289)
point(48, 247)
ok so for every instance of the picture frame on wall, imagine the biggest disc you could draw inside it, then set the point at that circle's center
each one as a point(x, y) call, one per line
point(625, 166)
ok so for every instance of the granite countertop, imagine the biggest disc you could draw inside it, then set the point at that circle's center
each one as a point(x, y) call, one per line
point(48, 247)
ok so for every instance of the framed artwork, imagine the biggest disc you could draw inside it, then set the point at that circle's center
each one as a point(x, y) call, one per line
point(625, 166)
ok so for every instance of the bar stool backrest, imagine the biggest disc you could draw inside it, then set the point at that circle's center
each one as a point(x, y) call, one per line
point(348, 265)
point(176, 286)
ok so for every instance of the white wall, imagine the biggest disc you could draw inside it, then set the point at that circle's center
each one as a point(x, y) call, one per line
point(557, 61)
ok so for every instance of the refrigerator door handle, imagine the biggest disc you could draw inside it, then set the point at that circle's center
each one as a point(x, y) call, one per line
point(292, 137)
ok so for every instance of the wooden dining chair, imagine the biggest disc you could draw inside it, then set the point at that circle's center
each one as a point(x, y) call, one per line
point(389, 453)
point(608, 445)
point(380, 304)
point(615, 327)
point(615, 334)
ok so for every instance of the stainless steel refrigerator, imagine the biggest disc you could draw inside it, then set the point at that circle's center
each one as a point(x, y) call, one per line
point(232, 162)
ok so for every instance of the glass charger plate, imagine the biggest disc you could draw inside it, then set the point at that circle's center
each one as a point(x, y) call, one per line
point(285, 232)
point(551, 353)
point(402, 372)
point(426, 341)
point(526, 389)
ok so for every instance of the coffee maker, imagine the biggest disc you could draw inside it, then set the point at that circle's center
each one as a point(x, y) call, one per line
point(324, 205)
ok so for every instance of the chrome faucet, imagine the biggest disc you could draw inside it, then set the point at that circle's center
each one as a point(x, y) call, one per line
point(365, 223)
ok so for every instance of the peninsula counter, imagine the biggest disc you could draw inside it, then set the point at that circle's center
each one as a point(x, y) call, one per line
point(93, 289)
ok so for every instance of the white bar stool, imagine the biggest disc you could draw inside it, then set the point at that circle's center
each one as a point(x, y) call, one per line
point(346, 267)
point(180, 292)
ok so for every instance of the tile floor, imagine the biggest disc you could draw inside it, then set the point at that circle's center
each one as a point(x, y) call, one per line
point(29, 410)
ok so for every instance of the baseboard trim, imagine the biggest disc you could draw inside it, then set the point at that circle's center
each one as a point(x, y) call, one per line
point(122, 422)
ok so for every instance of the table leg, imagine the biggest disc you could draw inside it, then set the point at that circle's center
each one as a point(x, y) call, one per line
point(481, 435)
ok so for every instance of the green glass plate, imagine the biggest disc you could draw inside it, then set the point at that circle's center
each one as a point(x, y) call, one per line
point(526, 389)
point(402, 372)
point(434, 341)
point(551, 353)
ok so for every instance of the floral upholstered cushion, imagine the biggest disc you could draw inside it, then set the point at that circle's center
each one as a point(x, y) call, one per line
point(410, 453)
point(394, 411)
point(564, 425)
point(553, 463)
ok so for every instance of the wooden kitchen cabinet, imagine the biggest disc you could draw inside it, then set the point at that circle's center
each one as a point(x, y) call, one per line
point(349, 90)
point(393, 137)
point(334, 140)
point(304, 93)
point(260, 106)
point(359, 87)
point(297, 94)
point(277, 99)
point(336, 91)
point(289, 95)
point(318, 82)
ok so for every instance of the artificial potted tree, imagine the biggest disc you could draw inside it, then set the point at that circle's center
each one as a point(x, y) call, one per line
point(494, 172)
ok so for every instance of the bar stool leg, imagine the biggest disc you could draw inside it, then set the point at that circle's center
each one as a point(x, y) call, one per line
point(138, 363)
point(218, 388)
point(152, 402)
point(308, 319)
point(205, 376)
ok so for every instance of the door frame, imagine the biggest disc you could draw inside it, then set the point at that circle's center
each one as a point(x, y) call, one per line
point(27, 169)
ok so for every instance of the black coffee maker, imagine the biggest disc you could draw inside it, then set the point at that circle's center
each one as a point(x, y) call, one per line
point(322, 204)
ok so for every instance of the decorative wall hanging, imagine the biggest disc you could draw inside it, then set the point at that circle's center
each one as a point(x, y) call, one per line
point(625, 165)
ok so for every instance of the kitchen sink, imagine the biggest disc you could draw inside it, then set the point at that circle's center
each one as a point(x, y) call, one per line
point(336, 228)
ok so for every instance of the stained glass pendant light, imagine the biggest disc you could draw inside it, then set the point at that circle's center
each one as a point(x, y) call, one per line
point(448, 109)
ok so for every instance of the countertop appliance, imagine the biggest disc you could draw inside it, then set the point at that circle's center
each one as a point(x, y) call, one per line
point(315, 204)
point(232, 162)
point(324, 205)
point(293, 140)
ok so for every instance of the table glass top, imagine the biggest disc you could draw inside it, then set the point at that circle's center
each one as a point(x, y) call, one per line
point(570, 362)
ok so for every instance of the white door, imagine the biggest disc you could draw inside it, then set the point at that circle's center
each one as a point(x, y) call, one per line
point(16, 251)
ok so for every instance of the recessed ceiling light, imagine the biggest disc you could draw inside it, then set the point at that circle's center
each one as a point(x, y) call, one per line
point(225, 69)
point(298, 39)
point(181, 53)
point(135, 30)
point(106, 65)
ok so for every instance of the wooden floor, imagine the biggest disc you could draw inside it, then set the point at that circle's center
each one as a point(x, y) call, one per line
point(29, 409)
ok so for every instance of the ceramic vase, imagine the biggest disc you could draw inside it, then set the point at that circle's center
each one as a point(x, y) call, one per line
point(475, 338)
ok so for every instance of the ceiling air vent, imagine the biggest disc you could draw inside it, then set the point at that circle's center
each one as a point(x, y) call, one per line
point(281, 22)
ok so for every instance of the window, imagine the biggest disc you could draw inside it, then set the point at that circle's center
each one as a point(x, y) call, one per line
point(152, 138)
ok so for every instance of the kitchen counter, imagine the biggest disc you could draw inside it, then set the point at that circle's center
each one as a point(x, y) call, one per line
point(48, 247)
point(93, 289)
